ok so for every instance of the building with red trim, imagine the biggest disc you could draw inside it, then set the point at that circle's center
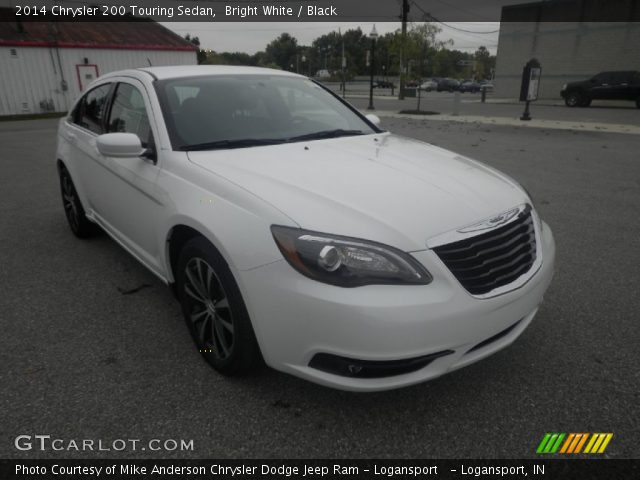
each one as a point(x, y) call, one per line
point(45, 65)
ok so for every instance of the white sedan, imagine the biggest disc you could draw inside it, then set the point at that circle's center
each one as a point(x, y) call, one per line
point(295, 230)
point(429, 85)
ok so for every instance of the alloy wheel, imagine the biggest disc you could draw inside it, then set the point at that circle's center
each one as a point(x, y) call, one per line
point(573, 100)
point(69, 202)
point(208, 309)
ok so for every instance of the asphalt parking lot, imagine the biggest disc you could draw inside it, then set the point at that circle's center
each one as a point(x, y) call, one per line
point(94, 347)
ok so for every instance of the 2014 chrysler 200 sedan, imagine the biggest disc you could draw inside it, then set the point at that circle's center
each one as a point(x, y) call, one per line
point(293, 229)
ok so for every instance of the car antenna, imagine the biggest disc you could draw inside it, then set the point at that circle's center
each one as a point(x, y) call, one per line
point(150, 64)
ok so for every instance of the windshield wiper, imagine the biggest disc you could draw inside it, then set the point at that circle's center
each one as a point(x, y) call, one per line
point(225, 144)
point(326, 134)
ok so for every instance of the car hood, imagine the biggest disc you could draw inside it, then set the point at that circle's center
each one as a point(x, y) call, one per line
point(380, 187)
point(579, 83)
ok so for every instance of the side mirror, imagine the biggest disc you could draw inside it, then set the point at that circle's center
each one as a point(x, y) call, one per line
point(373, 118)
point(120, 145)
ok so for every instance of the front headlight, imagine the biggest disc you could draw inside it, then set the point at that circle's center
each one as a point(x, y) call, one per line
point(347, 262)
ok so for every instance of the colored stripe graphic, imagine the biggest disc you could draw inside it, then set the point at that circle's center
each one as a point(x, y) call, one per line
point(581, 443)
point(543, 443)
point(550, 443)
point(573, 443)
point(567, 443)
point(598, 442)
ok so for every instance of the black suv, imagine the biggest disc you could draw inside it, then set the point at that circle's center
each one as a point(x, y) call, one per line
point(604, 86)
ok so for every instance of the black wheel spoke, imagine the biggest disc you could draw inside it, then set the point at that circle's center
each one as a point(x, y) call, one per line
point(196, 296)
point(220, 336)
point(196, 316)
point(197, 286)
point(203, 329)
point(225, 323)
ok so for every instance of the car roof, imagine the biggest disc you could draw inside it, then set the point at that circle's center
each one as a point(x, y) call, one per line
point(182, 71)
point(628, 72)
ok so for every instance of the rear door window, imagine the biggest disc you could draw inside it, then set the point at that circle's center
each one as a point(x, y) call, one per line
point(90, 111)
point(618, 78)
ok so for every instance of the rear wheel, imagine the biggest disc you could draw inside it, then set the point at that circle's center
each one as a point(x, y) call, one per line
point(573, 99)
point(214, 310)
point(78, 222)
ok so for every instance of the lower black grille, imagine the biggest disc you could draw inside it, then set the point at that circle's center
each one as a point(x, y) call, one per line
point(351, 367)
point(493, 259)
point(495, 338)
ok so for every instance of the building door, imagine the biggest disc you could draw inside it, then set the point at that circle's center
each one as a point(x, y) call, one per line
point(86, 75)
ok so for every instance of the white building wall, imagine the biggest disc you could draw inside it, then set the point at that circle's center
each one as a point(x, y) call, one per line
point(567, 51)
point(31, 81)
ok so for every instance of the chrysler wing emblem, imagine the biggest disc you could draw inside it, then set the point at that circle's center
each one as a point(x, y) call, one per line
point(492, 222)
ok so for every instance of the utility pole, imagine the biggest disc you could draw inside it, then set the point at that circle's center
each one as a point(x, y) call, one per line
point(343, 64)
point(403, 39)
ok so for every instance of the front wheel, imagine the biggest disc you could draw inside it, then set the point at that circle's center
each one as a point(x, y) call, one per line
point(214, 310)
point(573, 99)
point(73, 210)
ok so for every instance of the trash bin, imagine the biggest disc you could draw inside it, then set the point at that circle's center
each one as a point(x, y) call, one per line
point(410, 92)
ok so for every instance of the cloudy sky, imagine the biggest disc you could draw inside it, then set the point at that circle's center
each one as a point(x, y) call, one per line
point(253, 37)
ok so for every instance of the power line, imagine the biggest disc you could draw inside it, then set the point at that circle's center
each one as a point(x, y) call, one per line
point(466, 31)
point(457, 7)
point(431, 17)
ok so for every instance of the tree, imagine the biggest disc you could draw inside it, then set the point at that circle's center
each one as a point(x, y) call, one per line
point(282, 51)
point(201, 54)
point(420, 46)
point(485, 62)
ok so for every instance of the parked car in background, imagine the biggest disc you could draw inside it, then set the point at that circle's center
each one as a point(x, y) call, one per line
point(470, 86)
point(293, 229)
point(412, 84)
point(429, 85)
point(486, 85)
point(448, 85)
point(383, 84)
point(323, 74)
point(621, 85)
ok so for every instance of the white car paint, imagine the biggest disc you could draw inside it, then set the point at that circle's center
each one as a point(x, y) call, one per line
point(379, 187)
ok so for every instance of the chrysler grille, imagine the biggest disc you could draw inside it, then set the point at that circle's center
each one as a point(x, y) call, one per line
point(493, 259)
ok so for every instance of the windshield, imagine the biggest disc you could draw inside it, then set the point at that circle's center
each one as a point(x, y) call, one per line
point(235, 111)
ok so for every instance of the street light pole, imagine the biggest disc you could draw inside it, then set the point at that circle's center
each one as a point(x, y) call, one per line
point(373, 35)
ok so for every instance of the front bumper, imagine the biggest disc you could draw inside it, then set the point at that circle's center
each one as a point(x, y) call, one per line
point(295, 318)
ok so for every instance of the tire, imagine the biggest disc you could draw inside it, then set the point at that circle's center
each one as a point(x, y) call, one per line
point(80, 225)
point(573, 99)
point(638, 102)
point(214, 310)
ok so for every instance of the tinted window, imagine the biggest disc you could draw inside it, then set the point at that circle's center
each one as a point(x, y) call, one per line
point(604, 77)
point(128, 113)
point(235, 107)
point(620, 77)
point(89, 112)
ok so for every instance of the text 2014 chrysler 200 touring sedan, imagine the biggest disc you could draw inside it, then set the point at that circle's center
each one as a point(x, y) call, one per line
point(293, 229)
